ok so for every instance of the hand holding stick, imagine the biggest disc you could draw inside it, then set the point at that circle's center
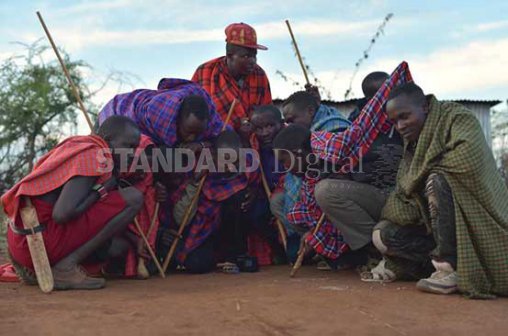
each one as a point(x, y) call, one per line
point(280, 226)
point(142, 271)
point(87, 117)
point(186, 218)
point(301, 253)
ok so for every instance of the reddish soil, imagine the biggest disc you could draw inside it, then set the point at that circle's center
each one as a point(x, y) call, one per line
point(264, 303)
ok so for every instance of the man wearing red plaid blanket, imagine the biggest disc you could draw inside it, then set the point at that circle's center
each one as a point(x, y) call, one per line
point(236, 76)
point(83, 214)
point(335, 156)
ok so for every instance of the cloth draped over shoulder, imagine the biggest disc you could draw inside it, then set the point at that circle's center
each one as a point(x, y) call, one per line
point(156, 111)
point(76, 156)
point(347, 147)
point(215, 78)
point(452, 143)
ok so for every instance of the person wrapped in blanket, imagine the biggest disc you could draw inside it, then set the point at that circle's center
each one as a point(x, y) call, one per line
point(83, 212)
point(198, 251)
point(449, 210)
point(247, 223)
point(303, 108)
point(179, 115)
point(351, 207)
point(236, 76)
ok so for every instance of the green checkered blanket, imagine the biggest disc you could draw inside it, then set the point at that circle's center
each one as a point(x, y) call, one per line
point(452, 143)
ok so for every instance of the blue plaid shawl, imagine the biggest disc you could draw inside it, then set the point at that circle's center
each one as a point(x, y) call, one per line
point(156, 111)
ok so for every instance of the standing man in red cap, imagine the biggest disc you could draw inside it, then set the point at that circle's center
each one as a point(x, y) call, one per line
point(236, 76)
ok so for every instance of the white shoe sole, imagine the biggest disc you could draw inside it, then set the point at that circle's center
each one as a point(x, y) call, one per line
point(429, 287)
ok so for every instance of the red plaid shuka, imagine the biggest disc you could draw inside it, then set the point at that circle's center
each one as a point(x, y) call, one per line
point(146, 213)
point(344, 148)
point(75, 156)
point(328, 241)
point(214, 77)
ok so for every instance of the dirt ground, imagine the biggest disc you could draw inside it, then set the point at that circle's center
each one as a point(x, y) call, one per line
point(264, 303)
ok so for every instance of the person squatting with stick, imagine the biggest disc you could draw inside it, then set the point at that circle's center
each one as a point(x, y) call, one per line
point(83, 212)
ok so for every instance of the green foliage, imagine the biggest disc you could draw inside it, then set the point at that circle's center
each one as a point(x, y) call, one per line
point(37, 109)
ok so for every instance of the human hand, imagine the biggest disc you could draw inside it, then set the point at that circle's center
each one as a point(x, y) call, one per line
point(161, 192)
point(250, 196)
point(313, 90)
point(304, 246)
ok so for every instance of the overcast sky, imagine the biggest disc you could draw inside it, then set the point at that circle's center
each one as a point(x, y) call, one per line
point(455, 49)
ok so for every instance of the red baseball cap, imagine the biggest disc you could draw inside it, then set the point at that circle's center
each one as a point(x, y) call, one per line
point(243, 35)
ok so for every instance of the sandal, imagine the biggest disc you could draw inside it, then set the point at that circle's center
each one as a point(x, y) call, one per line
point(379, 274)
point(229, 268)
point(323, 266)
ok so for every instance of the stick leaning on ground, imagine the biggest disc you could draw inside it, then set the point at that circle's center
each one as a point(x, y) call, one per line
point(301, 253)
point(304, 69)
point(141, 262)
point(280, 226)
point(187, 215)
point(89, 121)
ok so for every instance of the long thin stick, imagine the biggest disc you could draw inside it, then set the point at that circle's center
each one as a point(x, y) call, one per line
point(301, 253)
point(67, 75)
point(186, 218)
point(280, 226)
point(85, 113)
point(298, 52)
point(149, 248)
point(154, 217)
point(141, 261)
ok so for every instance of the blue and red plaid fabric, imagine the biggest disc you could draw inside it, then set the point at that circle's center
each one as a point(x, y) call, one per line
point(347, 147)
point(207, 218)
point(336, 147)
point(156, 111)
point(326, 119)
point(328, 241)
point(214, 77)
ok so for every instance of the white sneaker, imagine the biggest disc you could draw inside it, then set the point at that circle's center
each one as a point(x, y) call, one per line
point(442, 281)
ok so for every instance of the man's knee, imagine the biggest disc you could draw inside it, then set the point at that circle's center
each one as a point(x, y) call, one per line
point(133, 198)
point(380, 235)
point(324, 193)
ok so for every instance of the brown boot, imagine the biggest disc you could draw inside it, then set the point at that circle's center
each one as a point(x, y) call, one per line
point(75, 278)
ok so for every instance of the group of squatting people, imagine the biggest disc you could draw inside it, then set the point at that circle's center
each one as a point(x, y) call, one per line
point(406, 188)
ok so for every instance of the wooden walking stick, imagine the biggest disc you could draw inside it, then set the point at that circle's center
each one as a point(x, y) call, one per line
point(85, 113)
point(186, 217)
point(280, 226)
point(304, 69)
point(141, 262)
point(149, 248)
point(301, 253)
point(36, 247)
point(67, 75)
